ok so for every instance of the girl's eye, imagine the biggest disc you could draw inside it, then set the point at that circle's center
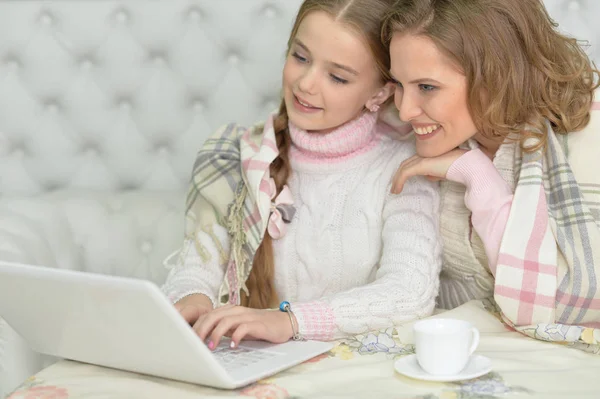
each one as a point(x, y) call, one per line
point(425, 87)
point(298, 57)
point(337, 79)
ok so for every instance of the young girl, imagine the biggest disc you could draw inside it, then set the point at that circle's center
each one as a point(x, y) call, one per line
point(496, 79)
point(298, 210)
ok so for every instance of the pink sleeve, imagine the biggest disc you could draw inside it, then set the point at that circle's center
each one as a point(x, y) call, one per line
point(315, 320)
point(488, 197)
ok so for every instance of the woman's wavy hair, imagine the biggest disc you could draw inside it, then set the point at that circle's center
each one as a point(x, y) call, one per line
point(365, 17)
point(521, 71)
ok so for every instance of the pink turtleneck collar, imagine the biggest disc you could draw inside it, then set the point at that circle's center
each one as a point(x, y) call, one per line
point(350, 139)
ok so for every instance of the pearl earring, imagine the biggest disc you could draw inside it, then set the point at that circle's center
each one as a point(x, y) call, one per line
point(373, 108)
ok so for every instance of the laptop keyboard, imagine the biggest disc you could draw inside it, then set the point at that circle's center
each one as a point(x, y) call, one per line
point(232, 359)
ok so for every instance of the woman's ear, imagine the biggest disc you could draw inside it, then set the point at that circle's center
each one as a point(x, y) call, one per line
point(380, 97)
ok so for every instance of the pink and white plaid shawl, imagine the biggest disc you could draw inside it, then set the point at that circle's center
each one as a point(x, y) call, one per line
point(548, 270)
point(229, 187)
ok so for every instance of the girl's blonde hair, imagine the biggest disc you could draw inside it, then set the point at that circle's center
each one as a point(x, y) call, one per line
point(364, 16)
point(520, 70)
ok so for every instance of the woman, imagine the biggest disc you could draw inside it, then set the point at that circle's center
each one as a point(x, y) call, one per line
point(500, 104)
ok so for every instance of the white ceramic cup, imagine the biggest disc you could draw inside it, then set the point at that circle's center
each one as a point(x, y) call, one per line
point(444, 346)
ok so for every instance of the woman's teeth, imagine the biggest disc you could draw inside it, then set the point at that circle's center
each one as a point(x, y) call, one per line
point(425, 130)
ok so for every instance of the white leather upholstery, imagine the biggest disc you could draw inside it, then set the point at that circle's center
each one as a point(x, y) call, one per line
point(120, 94)
point(103, 105)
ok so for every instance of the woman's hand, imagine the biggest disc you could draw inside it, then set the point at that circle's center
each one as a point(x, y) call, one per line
point(433, 168)
point(193, 306)
point(240, 322)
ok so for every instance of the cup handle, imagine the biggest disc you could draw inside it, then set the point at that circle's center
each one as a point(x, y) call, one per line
point(475, 340)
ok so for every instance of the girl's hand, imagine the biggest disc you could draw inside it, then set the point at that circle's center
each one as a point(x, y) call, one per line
point(193, 306)
point(240, 322)
point(433, 168)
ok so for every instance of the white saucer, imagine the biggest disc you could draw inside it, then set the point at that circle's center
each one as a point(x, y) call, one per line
point(476, 367)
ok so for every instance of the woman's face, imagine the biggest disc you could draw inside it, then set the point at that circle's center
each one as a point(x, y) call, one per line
point(431, 94)
point(329, 76)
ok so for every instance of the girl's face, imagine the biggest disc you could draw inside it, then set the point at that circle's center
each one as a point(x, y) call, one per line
point(330, 75)
point(431, 94)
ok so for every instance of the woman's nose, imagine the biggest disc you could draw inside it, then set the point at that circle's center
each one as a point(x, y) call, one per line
point(408, 107)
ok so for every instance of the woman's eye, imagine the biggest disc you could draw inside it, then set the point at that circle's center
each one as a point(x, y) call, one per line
point(425, 87)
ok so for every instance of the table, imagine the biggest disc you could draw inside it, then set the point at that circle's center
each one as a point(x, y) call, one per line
point(361, 367)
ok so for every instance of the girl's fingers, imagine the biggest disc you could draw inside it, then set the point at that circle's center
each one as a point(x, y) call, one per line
point(251, 330)
point(240, 333)
point(198, 324)
point(226, 324)
point(207, 323)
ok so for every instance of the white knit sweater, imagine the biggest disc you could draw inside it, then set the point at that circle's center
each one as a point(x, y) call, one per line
point(465, 272)
point(355, 258)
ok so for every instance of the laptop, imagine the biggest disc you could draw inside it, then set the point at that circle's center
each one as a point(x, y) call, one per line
point(129, 324)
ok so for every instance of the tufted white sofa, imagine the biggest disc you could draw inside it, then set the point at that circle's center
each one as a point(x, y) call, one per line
point(103, 105)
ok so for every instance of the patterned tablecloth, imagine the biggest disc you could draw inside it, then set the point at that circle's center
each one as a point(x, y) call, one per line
point(361, 367)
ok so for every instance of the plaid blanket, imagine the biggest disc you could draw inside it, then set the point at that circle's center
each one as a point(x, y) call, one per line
point(547, 277)
point(229, 187)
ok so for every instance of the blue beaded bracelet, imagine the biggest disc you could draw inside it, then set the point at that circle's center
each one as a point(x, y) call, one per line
point(287, 308)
